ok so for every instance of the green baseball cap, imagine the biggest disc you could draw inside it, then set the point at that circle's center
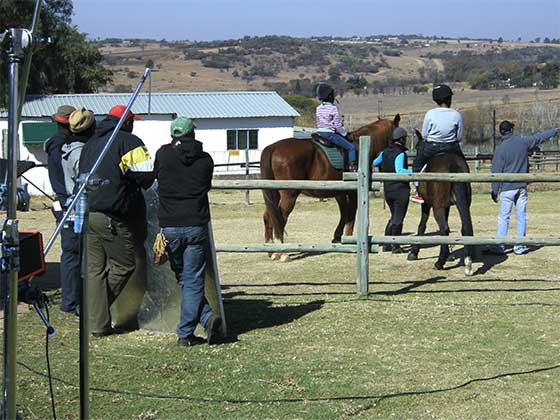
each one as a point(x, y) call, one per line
point(181, 126)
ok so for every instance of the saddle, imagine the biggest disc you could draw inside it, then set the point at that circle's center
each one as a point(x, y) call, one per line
point(336, 156)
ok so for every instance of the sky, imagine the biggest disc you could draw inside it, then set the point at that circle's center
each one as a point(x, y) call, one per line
point(231, 19)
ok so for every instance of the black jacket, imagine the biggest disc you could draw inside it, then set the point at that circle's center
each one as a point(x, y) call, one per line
point(127, 166)
point(53, 147)
point(184, 174)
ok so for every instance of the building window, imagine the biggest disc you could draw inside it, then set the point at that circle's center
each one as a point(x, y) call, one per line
point(239, 139)
point(35, 134)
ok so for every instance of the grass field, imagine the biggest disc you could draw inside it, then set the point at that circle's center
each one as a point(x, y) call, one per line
point(424, 344)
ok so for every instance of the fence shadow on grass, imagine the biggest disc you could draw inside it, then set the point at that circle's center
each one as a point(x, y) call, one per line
point(246, 315)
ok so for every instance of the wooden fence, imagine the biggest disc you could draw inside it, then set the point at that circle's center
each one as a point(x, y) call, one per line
point(363, 182)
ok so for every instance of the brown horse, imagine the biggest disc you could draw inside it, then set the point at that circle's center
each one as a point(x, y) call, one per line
point(296, 159)
point(441, 196)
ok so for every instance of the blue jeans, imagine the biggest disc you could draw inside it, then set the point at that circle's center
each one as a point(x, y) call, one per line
point(70, 267)
point(341, 142)
point(517, 197)
point(188, 248)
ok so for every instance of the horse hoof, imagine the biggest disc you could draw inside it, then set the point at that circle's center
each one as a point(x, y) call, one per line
point(335, 241)
point(438, 266)
point(275, 256)
point(412, 256)
point(285, 258)
point(468, 267)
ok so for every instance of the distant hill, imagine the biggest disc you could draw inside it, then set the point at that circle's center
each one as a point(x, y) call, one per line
point(380, 64)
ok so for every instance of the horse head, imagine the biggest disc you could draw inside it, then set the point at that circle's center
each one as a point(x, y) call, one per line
point(379, 132)
point(420, 142)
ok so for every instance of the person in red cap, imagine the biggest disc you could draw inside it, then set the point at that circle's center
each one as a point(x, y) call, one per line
point(70, 258)
point(117, 222)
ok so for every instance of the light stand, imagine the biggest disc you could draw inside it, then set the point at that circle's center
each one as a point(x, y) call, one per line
point(19, 47)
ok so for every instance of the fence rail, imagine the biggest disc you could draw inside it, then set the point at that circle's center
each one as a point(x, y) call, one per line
point(363, 182)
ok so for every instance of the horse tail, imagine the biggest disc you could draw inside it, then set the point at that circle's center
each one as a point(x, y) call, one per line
point(272, 197)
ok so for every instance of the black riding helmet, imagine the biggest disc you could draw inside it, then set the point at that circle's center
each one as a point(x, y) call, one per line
point(442, 94)
point(398, 133)
point(324, 91)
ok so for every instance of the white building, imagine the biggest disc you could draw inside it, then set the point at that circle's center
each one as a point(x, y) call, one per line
point(231, 125)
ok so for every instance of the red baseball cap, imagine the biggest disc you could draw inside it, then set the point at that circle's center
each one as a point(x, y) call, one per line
point(118, 111)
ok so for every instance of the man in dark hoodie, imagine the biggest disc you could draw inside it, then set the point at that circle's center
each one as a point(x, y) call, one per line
point(113, 208)
point(82, 127)
point(70, 259)
point(184, 173)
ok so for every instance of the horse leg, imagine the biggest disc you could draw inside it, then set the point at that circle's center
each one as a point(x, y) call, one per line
point(415, 248)
point(269, 234)
point(342, 201)
point(441, 217)
point(449, 247)
point(287, 202)
point(351, 215)
point(463, 206)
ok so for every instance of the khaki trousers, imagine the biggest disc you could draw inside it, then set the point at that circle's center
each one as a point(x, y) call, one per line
point(111, 263)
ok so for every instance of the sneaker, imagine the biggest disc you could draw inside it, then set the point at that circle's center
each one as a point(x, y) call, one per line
point(100, 334)
point(127, 327)
point(521, 251)
point(417, 198)
point(190, 340)
point(397, 250)
point(213, 328)
point(352, 166)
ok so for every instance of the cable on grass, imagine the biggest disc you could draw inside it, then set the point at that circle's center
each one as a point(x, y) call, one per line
point(294, 400)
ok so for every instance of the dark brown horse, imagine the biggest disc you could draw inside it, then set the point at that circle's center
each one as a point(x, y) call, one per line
point(440, 196)
point(296, 159)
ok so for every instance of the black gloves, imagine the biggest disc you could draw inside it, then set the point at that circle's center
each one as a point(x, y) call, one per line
point(494, 196)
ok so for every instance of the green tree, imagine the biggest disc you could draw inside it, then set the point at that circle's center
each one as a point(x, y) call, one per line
point(69, 65)
point(305, 106)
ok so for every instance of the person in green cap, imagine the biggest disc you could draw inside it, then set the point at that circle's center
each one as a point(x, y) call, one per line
point(184, 173)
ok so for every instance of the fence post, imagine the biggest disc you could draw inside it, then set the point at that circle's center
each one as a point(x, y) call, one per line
point(362, 234)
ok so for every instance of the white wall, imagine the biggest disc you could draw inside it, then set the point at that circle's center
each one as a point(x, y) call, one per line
point(211, 132)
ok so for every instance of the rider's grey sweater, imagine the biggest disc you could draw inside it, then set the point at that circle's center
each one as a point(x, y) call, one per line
point(512, 156)
point(443, 125)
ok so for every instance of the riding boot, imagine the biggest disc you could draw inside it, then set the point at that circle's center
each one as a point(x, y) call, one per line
point(388, 232)
point(396, 230)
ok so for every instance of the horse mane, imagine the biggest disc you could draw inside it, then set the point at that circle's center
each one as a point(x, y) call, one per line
point(379, 131)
